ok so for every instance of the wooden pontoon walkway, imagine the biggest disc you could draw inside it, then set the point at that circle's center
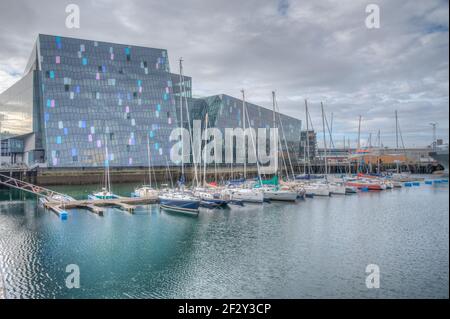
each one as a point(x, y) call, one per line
point(96, 205)
point(59, 207)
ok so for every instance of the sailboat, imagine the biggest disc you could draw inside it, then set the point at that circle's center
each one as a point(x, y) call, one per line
point(147, 190)
point(239, 190)
point(335, 188)
point(210, 196)
point(307, 179)
point(367, 184)
point(316, 189)
point(272, 189)
point(290, 184)
point(106, 192)
point(179, 200)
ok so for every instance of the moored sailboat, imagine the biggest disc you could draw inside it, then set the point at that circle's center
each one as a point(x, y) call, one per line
point(179, 200)
point(105, 192)
point(271, 188)
point(366, 184)
point(147, 190)
point(209, 194)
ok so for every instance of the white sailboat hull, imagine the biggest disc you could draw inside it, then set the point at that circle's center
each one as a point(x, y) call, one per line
point(280, 195)
point(317, 191)
point(146, 192)
point(337, 189)
point(247, 195)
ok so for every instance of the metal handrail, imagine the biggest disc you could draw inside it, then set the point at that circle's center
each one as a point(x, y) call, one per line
point(27, 187)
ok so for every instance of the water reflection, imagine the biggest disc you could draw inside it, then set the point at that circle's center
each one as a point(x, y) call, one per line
point(315, 248)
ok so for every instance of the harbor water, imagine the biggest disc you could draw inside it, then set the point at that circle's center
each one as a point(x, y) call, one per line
point(316, 248)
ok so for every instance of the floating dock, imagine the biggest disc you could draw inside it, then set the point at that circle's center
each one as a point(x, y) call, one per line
point(97, 205)
point(59, 207)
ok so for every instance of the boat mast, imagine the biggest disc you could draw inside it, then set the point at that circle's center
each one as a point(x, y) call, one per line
point(151, 170)
point(307, 136)
point(107, 177)
point(204, 155)
point(253, 144)
point(378, 152)
point(148, 155)
point(169, 173)
point(181, 118)
point(400, 134)
point(183, 93)
point(396, 129)
point(359, 133)
point(243, 128)
point(286, 145)
point(330, 129)
point(279, 137)
point(331, 125)
point(279, 140)
point(304, 153)
point(359, 144)
point(324, 140)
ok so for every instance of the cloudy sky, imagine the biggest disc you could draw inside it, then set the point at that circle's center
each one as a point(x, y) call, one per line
point(318, 50)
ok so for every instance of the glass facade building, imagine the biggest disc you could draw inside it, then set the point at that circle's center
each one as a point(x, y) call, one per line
point(225, 111)
point(79, 96)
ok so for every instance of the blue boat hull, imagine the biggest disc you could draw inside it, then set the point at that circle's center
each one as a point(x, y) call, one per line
point(214, 203)
point(180, 205)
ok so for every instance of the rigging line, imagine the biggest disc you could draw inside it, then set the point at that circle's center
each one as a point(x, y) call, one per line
point(315, 144)
point(279, 138)
point(282, 156)
point(254, 146)
point(310, 120)
point(329, 131)
point(306, 151)
point(194, 158)
point(181, 118)
point(284, 137)
point(149, 162)
point(285, 142)
point(169, 173)
point(324, 142)
point(401, 137)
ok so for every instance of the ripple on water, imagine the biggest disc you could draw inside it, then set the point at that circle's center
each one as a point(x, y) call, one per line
point(317, 248)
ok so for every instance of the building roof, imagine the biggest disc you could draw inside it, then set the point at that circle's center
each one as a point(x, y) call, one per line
point(220, 96)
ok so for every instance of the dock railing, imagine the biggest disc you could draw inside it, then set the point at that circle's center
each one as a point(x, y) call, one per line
point(27, 187)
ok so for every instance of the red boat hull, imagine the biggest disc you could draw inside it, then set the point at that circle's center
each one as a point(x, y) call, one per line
point(372, 187)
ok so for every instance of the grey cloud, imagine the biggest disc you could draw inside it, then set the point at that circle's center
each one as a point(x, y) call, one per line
point(320, 50)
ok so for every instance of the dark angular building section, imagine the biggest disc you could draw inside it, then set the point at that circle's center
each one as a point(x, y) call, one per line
point(78, 97)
